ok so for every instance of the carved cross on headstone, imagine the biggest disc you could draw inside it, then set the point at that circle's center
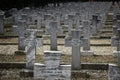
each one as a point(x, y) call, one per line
point(1, 23)
point(76, 42)
point(53, 30)
point(20, 28)
point(31, 41)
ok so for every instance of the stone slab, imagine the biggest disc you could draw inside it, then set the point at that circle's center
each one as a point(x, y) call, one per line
point(63, 72)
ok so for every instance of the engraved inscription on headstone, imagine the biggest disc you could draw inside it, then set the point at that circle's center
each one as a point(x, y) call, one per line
point(52, 70)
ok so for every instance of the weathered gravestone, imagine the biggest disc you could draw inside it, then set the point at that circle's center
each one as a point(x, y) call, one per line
point(116, 39)
point(77, 19)
point(114, 72)
point(47, 19)
point(39, 20)
point(70, 22)
point(52, 69)
point(115, 18)
point(116, 9)
point(76, 42)
point(53, 30)
point(20, 28)
point(95, 21)
point(86, 35)
point(31, 41)
point(1, 23)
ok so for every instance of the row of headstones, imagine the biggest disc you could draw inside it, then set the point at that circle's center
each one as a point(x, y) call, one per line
point(73, 17)
point(51, 69)
point(38, 15)
point(75, 40)
point(54, 30)
point(114, 70)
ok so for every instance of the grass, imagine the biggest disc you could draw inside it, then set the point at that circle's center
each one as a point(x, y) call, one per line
point(64, 58)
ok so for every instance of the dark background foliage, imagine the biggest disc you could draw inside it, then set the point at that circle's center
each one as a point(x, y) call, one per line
point(8, 4)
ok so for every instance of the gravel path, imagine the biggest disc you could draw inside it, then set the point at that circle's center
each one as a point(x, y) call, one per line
point(60, 41)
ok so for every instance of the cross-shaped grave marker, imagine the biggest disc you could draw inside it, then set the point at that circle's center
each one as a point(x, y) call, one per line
point(31, 41)
point(95, 22)
point(76, 42)
point(86, 35)
point(20, 28)
point(53, 30)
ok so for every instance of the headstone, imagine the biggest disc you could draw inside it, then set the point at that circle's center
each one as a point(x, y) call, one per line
point(116, 39)
point(1, 23)
point(76, 42)
point(116, 8)
point(39, 20)
point(114, 72)
point(70, 22)
point(86, 35)
point(20, 28)
point(116, 43)
point(30, 49)
point(47, 19)
point(52, 69)
point(95, 22)
point(53, 30)
point(116, 23)
point(77, 19)
point(116, 27)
